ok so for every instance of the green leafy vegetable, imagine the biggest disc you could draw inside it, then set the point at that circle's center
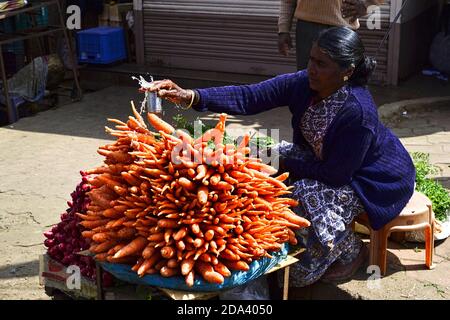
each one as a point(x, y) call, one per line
point(438, 195)
point(181, 122)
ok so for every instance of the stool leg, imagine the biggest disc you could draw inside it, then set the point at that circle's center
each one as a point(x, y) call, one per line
point(429, 245)
point(286, 284)
point(383, 250)
point(374, 245)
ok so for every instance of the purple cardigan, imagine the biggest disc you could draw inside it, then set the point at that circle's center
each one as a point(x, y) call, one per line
point(358, 149)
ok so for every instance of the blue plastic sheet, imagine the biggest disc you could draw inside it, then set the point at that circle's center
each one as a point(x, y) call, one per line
point(237, 278)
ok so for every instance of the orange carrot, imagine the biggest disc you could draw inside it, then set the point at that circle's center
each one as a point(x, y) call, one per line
point(189, 278)
point(201, 172)
point(187, 265)
point(125, 233)
point(130, 179)
point(93, 224)
point(148, 252)
point(173, 263)
point(148, 263)
point(169, 272)
point(87, 234)
point(88, 217)
point(161, 264)
point(167, 252)
point(222, 269)
point(102, 236)
point(167, 223)
point(159, 124)
point(101, 256)
point(138, 264)
point(156, 237)
point(202, 195)
point(133, 248)
point(215, 179)
point(186, 183)
point(180, 234)
point(180, 245)
point(236, 265)
point(206, 270)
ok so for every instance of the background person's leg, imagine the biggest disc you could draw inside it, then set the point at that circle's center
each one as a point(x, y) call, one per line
point(306, 33)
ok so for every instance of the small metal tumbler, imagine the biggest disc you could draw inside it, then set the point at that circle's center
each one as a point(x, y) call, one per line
point(154, 104)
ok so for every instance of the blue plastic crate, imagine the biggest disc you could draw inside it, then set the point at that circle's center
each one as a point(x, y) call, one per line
point(102, 45)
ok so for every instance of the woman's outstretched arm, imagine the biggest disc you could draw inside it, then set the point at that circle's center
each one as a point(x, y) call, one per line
point(245, 99)
point(250, 99)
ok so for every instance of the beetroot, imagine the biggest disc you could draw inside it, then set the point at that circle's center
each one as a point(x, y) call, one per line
point(59, 238)
point(49, 234)
point(49, 243)
point(64, 240)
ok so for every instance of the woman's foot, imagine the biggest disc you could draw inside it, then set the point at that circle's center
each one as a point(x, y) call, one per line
point(339, 272)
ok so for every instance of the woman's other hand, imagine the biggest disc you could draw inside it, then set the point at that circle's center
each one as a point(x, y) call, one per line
point(354, 9)
point(167, 89)
point(281, 165)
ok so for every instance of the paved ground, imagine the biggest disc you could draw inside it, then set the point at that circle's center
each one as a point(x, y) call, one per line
point(427, 130)
point(41, 157)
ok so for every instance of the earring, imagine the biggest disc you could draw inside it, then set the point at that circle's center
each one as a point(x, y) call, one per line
point(346, 78)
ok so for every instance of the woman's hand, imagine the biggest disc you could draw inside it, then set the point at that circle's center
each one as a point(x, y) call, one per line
point(354, 9)
point(281, 165)
point(169, 90)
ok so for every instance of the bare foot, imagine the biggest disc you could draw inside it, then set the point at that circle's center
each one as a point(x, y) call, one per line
point(339, 272)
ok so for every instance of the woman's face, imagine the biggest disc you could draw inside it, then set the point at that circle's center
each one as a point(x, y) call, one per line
point(325, 75)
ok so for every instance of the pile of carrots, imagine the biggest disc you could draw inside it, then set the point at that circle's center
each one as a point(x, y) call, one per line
point(167, 203)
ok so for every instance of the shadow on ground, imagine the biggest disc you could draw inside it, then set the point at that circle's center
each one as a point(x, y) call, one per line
point(88, 117)
point(20, 270)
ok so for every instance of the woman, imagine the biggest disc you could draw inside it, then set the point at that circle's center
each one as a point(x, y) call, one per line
point(344, 161)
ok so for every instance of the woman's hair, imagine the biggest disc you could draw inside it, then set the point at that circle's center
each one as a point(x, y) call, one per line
point(345, 47)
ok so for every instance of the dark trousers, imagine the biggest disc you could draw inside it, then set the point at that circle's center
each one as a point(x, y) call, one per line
point(306, 34)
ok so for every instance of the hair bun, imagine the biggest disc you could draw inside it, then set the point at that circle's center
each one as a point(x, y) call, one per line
point(363, 71)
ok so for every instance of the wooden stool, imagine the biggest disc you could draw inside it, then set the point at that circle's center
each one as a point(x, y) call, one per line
point(417, 214)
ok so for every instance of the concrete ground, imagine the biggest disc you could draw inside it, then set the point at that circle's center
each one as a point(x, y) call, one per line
point(42, 155)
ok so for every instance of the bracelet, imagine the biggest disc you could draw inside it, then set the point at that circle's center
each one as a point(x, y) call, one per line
point(192, 99)
point(190, 103)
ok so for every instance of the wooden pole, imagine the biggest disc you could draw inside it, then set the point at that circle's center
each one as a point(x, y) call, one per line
point(12, 113)
point(139, 31)
point(286, 284)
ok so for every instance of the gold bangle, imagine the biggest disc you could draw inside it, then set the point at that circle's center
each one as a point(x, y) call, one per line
point(190, 103)
point(192, 100)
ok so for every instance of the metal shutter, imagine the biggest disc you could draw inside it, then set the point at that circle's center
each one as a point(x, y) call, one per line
point(372, 39)
point(237, 36)
point(217, 35)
